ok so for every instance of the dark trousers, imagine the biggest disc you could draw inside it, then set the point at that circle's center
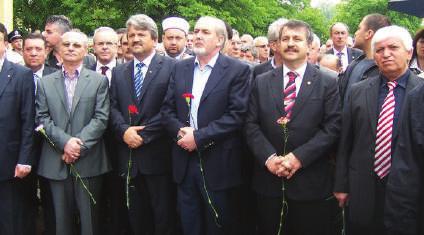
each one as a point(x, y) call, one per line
point(70, 197)
point(376, 226)
point(152, 205)
point(17, 216)
point(195, 212)
point(47, 206)
point(302, 217)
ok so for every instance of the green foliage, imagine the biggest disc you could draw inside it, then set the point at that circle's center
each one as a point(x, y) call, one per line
point(351, 12)
point(247, 16)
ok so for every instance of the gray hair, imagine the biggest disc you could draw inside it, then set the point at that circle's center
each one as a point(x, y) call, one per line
point(274, 29)
point(63, 22)
point(393, 31)
point(84, 38)
point(259, 38)
point(106, 29)
point(143, 22)
point(218, 25)
point(236, 33)
point(317, 40)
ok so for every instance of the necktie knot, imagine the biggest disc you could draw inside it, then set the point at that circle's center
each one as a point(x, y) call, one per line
point(139, 65)
point(292, 76)
point(104, 69)
point(392, 85)
point(339, 54)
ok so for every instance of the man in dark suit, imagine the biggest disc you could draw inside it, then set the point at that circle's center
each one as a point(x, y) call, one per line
point(55, 27)
point(73, 106)
point(339, 33)
point(313, 128)
point(113, 218)
point(16, 140)
point(404, 204)
point(34, 55)
point(276, 60)
point(363, 66)
point(371, 116)
point(207, 128)
point(143, 82)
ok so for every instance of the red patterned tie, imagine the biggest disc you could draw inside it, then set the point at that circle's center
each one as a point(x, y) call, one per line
point(383, 144)
point(290, 94)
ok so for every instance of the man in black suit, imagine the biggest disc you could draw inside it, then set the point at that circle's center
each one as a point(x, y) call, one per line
point(114, 216)
point(16, 140)
point(34, 55)
point(371, 116)
point(143, 82)
point(339, 33)
point(207, 130)
point(276, 60)
point(55, 27)
point(302, 161)
point(363, 66)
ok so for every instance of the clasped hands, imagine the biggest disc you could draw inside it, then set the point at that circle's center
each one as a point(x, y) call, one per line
point(132, 138)
point(283, 166)
point(72, 150)
point(185, 138)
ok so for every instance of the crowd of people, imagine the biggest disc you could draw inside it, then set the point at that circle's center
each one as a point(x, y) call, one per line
point(211, 132)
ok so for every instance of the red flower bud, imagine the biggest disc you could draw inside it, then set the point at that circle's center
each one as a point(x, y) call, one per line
point(132, 109)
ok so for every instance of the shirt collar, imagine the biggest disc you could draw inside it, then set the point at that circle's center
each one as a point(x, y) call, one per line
point(401, 81)
point(344, 51)
point(414, 64)
point(39, 72)
point(299, 71)
point(110, 65)
point(2, 61)
point(273, 63)
point(146, 60)
point(78, 70)
point(211, 62)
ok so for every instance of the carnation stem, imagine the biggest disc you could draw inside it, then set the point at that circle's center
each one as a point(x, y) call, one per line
point(78, 177)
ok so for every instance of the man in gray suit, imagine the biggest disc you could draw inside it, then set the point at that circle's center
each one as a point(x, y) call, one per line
point(73, 106)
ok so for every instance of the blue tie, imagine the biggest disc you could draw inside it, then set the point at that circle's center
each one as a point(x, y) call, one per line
point(138, 79)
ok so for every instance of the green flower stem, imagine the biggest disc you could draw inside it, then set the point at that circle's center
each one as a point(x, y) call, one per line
point(78, 177)
point(344, 222)
point(128, 180)
point(215, 212)
point(284, 206)
point(72, 168)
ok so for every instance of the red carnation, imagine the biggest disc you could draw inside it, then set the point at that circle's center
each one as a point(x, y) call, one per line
point(188, 95)
point(132, 109)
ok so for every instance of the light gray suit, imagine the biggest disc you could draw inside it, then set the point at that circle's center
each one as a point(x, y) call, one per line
point(87, 121)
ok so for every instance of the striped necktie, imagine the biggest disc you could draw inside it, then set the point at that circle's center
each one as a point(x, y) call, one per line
point(138, 80)
point(290, 94)
point(383, 144)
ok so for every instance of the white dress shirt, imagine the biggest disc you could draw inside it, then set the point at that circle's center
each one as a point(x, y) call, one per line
point(200, 78)
point(110, 66)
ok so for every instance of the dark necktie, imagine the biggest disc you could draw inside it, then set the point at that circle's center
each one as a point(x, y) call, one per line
point(383, 144)
point(138, 80)
point(290, 94)
point(104, 69)
point(340, 63)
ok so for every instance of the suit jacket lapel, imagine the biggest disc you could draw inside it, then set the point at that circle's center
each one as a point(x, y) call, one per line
point(372, 102)
point(128, 76)
point(82, 84)
point(412, 82)
point(154, 67)
point(188, 79)
point(216, 75)
point(308, 83)
point(6, 75)
point(59, 84)
point(276, 87)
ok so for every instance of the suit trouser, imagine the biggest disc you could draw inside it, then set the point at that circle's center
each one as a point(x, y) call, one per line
point(302, 217)
point(152, 205)
point(196, 214)
point(70, 197)
point(14, 213)
point(376, 226)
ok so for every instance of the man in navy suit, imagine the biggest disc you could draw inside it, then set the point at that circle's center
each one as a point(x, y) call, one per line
point(143, 83)
point(308, 97)
point(208, 133)
point(16, 138)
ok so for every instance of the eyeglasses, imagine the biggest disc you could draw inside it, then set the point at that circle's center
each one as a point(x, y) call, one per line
point(76, 45)
point(262, 46)
point(108, 44)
